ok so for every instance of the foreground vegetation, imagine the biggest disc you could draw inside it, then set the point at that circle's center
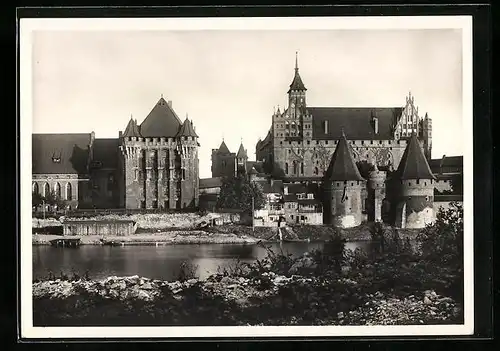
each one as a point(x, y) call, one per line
point(395, 282)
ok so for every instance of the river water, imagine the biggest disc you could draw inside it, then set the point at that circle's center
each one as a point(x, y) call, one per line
point(153, 262)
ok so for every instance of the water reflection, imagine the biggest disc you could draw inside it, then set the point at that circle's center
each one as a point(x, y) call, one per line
point(160, 262)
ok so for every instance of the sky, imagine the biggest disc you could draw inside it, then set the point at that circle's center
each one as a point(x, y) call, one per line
point(229, 81)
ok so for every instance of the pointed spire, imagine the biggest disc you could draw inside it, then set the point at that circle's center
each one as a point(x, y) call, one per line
point(223, 149)
point(132, 130)
point(297, 83)
point(342, 165)
point(413, 164)
point(242, 153)
point(187, 129)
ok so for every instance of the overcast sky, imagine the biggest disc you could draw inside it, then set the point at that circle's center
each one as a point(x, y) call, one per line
point(229, 82)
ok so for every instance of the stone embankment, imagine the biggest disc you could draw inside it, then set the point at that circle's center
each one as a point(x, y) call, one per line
point(266, 299)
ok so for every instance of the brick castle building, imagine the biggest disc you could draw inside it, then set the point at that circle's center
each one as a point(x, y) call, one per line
point(151, 165)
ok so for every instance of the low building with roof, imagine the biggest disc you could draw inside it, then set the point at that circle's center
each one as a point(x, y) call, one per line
point(302, 205)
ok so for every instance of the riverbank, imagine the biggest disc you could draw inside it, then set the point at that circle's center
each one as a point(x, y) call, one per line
point(161, 238)
point(154, 230)
point(265, 299)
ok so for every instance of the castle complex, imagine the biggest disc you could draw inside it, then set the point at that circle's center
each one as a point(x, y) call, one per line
point(317, 165)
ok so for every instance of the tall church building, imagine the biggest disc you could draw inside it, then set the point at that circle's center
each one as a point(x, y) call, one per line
point(302, 138)
point(159, 161)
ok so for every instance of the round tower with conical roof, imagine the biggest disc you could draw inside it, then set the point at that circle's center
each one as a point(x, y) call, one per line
point(343, 185)
point(414, 208)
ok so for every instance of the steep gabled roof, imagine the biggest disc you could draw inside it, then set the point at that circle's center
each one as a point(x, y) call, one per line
point(242, 153)
point(342, 165)
point(355, 121)
point(106, 151)
point(132, 129)
point(187, 129)
point(413, 164)
point(223, 149)
point(297, 83)
point(60, 153)
point(162, 121)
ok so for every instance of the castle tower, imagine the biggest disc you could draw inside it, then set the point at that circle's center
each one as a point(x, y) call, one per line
point(343, 186)
point(296, 104)
point(241, 159)
point(223, 161)
point(131, 150)
point(160, 161)
point(376, 193)
point(414, 208)
point(427, 136)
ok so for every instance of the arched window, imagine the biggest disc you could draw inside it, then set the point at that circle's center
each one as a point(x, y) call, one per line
point(46, 189)
point(294, 167)
point(35, 188)
point(57, 190)
point(302, 167)
point(69, 192)
point(286, 167)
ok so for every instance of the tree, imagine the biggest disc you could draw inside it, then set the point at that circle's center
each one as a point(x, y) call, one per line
point(36, 199)
point(237, 193)
point(457, 183)
point(54, 200)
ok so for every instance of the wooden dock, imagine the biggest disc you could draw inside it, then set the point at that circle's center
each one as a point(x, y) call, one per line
point(66, 242)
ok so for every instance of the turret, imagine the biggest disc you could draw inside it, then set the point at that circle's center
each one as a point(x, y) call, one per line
point(414, 208)
point(376, 193)
point(343, 185)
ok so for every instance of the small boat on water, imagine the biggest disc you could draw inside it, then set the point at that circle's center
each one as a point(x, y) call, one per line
point(111, 242)
point(66, 242)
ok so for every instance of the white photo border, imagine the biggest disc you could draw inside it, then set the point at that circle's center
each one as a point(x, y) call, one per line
point(26, 29)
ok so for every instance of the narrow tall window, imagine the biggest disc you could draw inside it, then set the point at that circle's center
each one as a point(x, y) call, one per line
point(69, 191)
point(302, 168)
point(286, 167)
point(35, 188)
point(46, 189)
point(57, 190)
point(325, 126)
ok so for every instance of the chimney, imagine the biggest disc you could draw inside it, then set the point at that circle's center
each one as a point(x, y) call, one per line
point(169, 103)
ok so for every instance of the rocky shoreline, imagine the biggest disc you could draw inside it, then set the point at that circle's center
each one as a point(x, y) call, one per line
point(224, 300)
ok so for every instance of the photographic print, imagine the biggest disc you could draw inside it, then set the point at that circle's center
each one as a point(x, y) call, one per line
point(246, 177)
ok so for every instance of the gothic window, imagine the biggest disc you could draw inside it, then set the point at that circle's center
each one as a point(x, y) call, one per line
point(57, 190)
point(294, 167)
point(286, 167)
point(302, 167)
point(69, 191)
point(35, 188)
point(46, 189)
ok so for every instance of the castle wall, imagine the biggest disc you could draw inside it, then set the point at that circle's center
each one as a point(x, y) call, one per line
point(414, 207)
point(76, 194)
point(316, 154)
point(345, 204)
